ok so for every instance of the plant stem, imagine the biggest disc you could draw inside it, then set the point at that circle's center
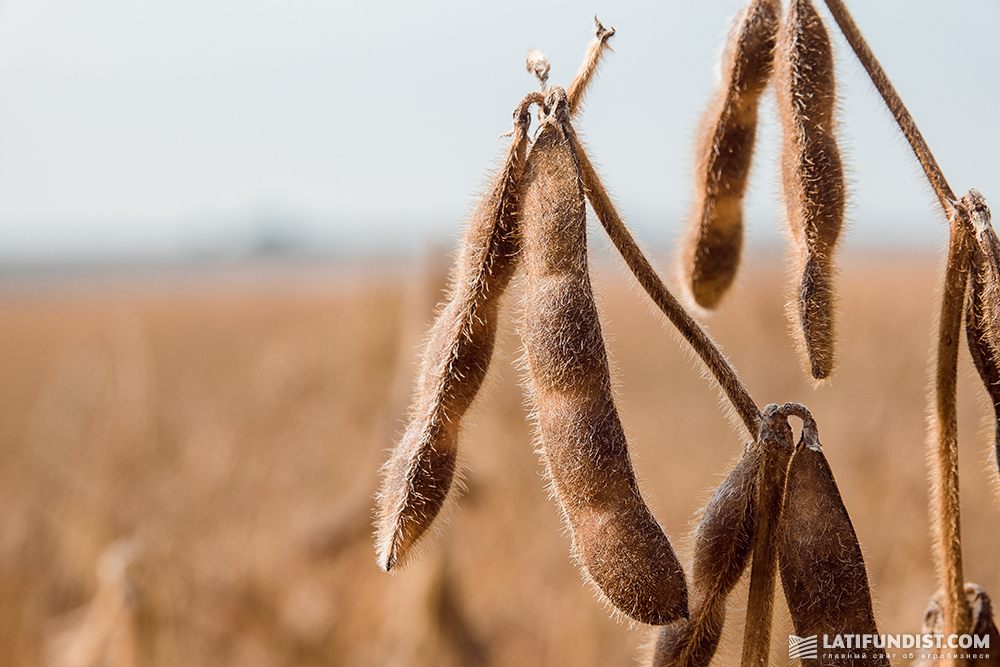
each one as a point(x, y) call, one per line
point(650, 281)
point(591, 61)
point(945, 494)
point(775, 446)
point(895, 104)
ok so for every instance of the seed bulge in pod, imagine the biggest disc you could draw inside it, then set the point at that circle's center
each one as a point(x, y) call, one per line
point(616, 539)
point(812, 175)
point(419, 473)
point(724, 153)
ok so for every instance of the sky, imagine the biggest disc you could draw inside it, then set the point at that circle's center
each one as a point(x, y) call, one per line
point(158, 128)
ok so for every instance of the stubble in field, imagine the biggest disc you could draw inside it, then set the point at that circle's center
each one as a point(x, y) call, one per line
point(187, 474)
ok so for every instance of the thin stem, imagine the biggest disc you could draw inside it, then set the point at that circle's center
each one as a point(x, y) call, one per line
point(775, 446)
point(650, 281)
point(895, 104)
point(945, 494)
point(591, 61)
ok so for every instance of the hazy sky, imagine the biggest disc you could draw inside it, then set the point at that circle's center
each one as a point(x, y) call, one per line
point(157, 126)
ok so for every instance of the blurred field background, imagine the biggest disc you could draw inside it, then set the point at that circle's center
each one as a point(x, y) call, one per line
point(187, 466)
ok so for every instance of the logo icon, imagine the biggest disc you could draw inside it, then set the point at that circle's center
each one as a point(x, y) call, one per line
point(803, 648)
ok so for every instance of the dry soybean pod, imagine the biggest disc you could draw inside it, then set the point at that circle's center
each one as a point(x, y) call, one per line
point(982, 307)
point(982, 626)
point(822, 569)
point(616, 539)
point(420, 471)
point(812, 175)
point(775, 444)
point(724, 152)
point(722, 547)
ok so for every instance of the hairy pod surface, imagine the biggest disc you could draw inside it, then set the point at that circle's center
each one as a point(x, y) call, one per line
point(812, 174)
point(724, 152)
point(615, 537)
point(822, 569)
point(982, 307)
point(982, 626)
point(722, 547)
point(419, 473)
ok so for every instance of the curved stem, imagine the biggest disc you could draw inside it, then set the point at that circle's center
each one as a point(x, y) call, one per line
point(945, 493)
point(810, 431)
point(650, 281)
point(895, 104)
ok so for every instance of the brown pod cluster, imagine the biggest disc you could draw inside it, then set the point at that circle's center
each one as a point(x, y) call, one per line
point(982, 306)
point(723, 154)
point(822, 568)
point(741, 520)
point(812, 174)
point(616, 539)
point(418, 475)
point(722, 547)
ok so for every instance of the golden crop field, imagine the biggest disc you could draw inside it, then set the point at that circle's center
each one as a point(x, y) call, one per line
point(188, 464)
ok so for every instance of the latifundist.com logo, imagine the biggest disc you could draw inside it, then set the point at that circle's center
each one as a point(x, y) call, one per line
point(802, 648)
point(924, 647)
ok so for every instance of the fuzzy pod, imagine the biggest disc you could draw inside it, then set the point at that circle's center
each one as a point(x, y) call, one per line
point(982, 625)
point(982, 306)
point(616, 539)
point(723, 154)
point(812, 174)
point(722, 547)
point(822, 568)
point(419, 473)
